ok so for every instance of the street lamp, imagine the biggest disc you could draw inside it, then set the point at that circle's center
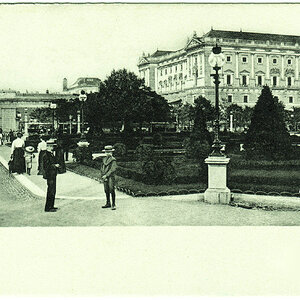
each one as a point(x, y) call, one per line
point(216, 60)
point(53, 107)
point(82, 99)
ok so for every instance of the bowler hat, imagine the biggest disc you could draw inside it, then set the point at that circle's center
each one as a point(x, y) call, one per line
point(108, 148)
point(29, 149)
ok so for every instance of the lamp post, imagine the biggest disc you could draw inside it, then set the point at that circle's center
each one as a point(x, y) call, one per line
point(25, 122)
point(70, 119)
point(216, 60)
point(217, 191)
point(53, 107)
point(82, 99)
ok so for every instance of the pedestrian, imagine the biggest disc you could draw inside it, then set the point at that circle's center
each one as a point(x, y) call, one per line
point(108, 169)
point(1, 138)
point(28, 158)
point(50, 173)
point(17, 155)
point(42, 147)
point(11, 136)
point(59, 155)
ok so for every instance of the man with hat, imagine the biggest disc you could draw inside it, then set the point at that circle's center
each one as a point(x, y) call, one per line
point(50, 172)
point(108, 170)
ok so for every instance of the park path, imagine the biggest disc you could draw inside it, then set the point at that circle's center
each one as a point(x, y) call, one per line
point(69, 185)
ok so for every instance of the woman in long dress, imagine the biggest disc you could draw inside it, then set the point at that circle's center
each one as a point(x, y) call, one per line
point(17, 153)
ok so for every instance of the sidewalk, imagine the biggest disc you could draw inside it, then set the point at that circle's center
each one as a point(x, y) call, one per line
point(69, 185)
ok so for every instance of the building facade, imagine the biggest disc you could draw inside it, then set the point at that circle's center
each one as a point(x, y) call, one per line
point(251, 61)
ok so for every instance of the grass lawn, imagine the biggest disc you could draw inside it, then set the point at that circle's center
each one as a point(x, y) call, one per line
point(264, 177)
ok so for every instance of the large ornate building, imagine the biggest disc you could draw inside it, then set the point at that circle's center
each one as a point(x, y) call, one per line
point(252, 60)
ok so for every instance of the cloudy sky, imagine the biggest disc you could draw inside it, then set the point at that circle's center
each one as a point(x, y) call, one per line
point(43, 43)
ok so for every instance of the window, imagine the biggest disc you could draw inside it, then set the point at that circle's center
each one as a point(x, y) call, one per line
point(228, 79)
point(245, 98)
point(259, 60)
point(244, 80)
point(228, 58)
point(291, 100)
point(175, 68)
point(289, 81)
point(274, 80)
point(181, 67)
point(170, 69)
point(161, 72)
point(274, 61)
point(289, 61)
point(244, 59)
point(229, 98)
point(259, 80)
point(166, 71)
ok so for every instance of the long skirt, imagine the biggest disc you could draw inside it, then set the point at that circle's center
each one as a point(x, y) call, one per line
point(40, 162)
point(18, 162)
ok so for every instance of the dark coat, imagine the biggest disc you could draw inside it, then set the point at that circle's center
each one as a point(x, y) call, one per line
point(49, 161)
point(109, 166)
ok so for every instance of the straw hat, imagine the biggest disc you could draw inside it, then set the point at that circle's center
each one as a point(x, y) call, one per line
point(29, 149)
point(51, 142)
point(108, 148)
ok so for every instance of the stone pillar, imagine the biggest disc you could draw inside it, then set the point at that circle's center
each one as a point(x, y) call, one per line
point(217, 192)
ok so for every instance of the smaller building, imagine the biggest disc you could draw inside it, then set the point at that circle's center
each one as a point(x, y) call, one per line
point(87, 84)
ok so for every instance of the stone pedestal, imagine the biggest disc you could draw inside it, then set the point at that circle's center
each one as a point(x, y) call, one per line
point(217, 191)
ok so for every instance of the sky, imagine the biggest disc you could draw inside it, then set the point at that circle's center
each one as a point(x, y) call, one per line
point(43, 43)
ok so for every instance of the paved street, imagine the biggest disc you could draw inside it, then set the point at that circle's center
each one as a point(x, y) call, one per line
point(19, 208)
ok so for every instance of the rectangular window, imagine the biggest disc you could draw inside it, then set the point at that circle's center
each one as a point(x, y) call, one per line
point(289, 81)
point(228, 58)
point(259, 80)
point(289, 61)
point(244, 59)
point(274, 61)
point(245, 98)
point(274, 80)
point(166, 71)
point(228, 79)
point(175, 68)
point(161, 72)
point(259, 60)
point(291, 100)
point(244, 80)
point(181, 67)
point(170, 69)
point(229, 98)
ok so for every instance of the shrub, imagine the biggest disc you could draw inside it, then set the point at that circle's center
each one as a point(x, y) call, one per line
point(82, 154)
point(120, 150)
point(196, 149)
point(159, 171)
point(157, 139)
point(144, 152)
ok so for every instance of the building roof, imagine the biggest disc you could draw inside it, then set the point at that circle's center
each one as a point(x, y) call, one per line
point(85, 81)
point(252, 36)
point(160, 53)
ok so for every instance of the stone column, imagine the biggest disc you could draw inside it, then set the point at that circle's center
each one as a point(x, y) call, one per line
point(217, 192)
point(268, 67)
point(282, 67)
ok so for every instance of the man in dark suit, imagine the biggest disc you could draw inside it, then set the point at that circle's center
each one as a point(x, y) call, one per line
point(50, 172)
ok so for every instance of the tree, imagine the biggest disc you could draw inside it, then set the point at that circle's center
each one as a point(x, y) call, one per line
point(123, 98)
point(267, 136)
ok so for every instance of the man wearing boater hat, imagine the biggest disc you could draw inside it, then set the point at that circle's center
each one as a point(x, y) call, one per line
point(50, 172)
point(108, 170)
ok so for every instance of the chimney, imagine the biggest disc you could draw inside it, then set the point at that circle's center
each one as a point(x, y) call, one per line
point(65, 84)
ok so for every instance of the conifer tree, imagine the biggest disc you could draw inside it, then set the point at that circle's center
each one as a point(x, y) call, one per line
point(267, 137)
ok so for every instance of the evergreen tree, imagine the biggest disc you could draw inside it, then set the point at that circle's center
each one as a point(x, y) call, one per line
point(267, 137)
